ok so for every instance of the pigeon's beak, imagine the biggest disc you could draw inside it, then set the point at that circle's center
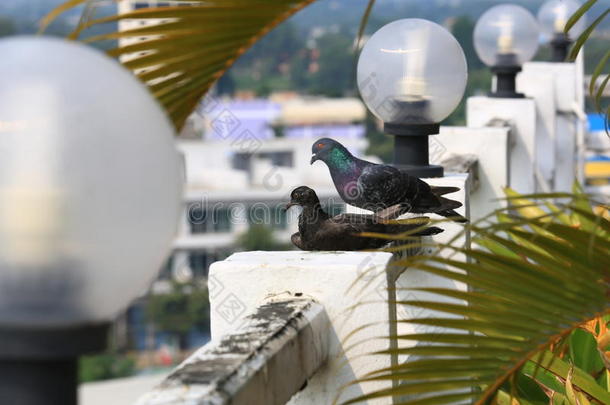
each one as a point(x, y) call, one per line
point(314, 158)
point(290, 204)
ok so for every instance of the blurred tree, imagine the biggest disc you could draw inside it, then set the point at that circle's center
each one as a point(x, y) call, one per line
point(7, 26)
point(479, 82)
point(281, 45)
point(226, 85)
point(463, 29)
point(259, 237)
point(336, 59)
point(299, 72)
point(105, 367)
point(179, 311)
point(380, 144)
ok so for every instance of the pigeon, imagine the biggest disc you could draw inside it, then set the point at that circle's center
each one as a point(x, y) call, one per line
point(375, 187)
point(319, 231)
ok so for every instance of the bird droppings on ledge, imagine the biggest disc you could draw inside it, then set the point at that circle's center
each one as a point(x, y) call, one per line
point(222, 372)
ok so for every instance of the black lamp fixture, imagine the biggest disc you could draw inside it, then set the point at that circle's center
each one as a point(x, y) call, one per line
point(86, 218)
point(412, 74)
point(553, 16)
point(505, 37)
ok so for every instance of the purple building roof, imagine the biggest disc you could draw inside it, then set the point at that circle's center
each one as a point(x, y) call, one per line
point(254, 118)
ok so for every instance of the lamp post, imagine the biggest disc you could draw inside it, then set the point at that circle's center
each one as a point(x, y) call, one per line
point(90, 195)
point(553, 16)
point(505, 37)
point(412, 74)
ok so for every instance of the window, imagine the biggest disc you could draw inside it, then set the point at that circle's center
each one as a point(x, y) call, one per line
point(281, 159)
point(266, 214)
point(166, 271)
point(241, 161)
point(204, 220)
point(199, 264)
point(280, 220)
point(222, 220)
point(197, 218)
point(140, 5)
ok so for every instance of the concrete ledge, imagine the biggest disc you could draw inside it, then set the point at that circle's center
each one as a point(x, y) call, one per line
point(265, 361)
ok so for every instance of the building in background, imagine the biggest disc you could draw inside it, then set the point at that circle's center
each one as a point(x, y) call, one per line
point(242, 158)
point(597, 163)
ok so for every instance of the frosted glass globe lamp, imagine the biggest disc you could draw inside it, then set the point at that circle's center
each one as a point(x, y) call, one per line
point(90, 195)
point(552, 17)
point(411, 75)
point(505, 37)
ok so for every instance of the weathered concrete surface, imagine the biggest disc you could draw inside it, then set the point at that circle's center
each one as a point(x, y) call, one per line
point(353, 288)
point(263, 362)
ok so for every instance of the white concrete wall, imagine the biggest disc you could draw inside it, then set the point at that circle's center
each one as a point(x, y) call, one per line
point(337, 280)
point(520, 116)
point(491, 147)
point(558, 91)
point(352, 286)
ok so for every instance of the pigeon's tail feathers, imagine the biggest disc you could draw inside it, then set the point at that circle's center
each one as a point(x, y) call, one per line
point(433, 230)
point(447, 204)
point(429, 231)
point(451, 214)
point(443, 190)
point(417, 230)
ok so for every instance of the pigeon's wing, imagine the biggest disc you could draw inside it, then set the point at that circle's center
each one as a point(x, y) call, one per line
point(389, 213)
point(382, 186)
point(350, 223)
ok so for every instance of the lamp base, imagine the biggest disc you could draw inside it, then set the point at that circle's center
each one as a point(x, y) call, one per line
point(505, 94)
point(506, 78)
point(422, 172)
point(49, 382)
point(411, 148)
point(560, 47)
point(39, 366)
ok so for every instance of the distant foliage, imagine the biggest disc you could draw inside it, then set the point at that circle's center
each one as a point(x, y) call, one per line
point(600, 77)
point(180, 310)
point(260, 237)
point(105, 367)
point(7, 26)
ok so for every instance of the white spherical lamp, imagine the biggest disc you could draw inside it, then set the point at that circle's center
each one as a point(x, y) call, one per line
point(553, 16)
point(90, 195)
point(412, 74)
point(505, 37)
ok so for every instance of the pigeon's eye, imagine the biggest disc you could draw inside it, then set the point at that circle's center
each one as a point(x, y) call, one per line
point(320, 145)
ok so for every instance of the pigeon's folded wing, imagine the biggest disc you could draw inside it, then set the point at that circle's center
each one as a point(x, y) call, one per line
point(381, 184)
point(348, 224)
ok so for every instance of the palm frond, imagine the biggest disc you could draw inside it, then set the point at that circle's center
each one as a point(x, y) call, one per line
point(188, 48)
point(364, 21)
point(596, 87)
point(536, 276)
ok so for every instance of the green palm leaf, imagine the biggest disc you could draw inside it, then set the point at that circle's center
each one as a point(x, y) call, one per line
point(189, 48)
point(542, 271)
point(595, 93)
